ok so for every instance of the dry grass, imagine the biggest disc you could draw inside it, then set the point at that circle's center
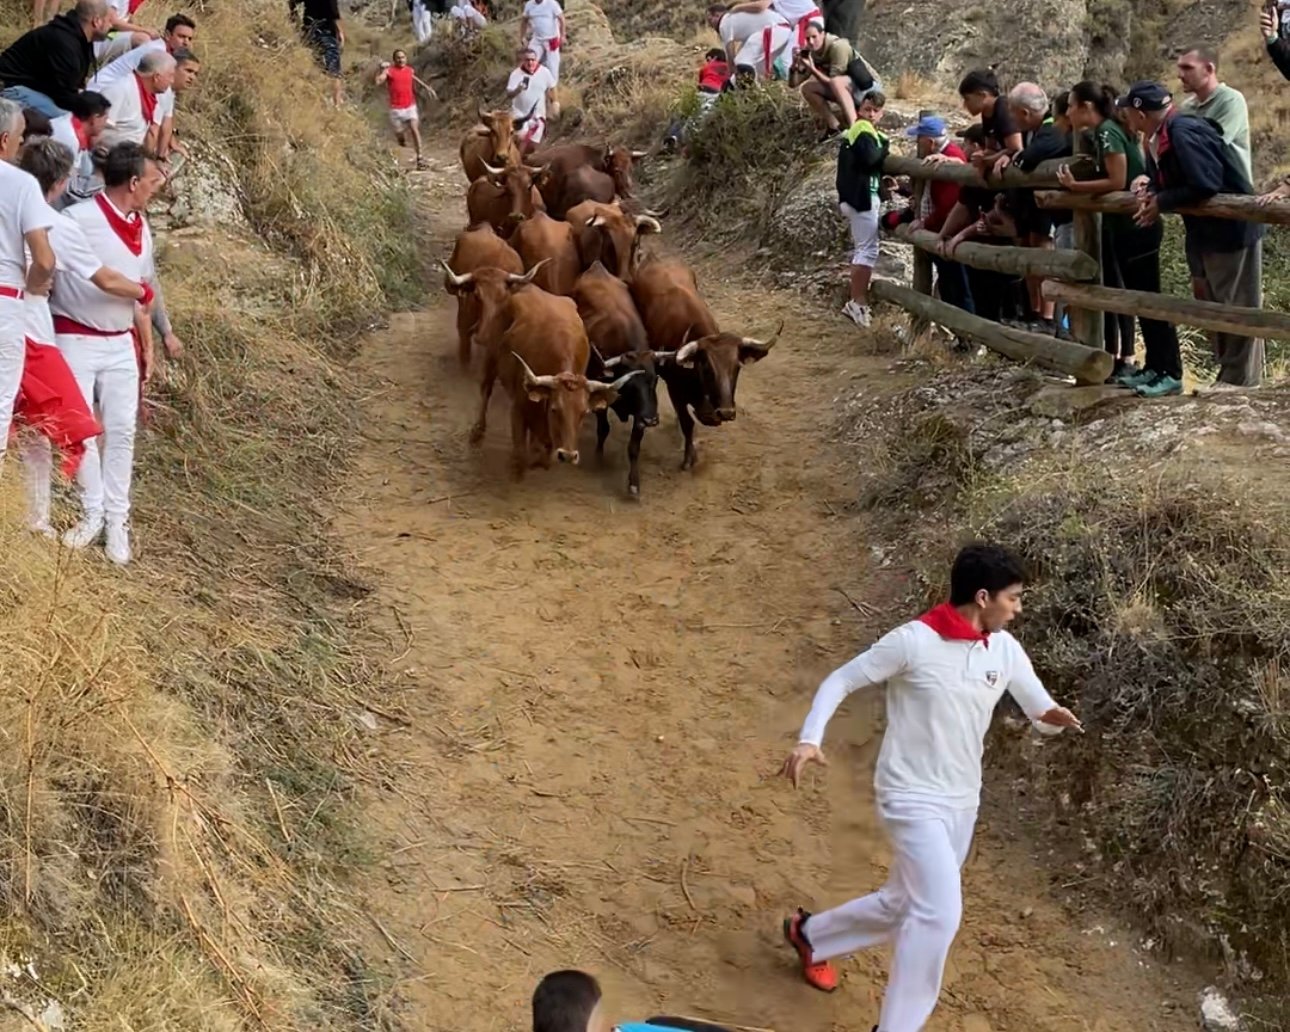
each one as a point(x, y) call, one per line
point(174, 795)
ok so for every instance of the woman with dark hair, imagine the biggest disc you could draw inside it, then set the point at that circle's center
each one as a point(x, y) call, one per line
point(980, 92)
point(1130, 253)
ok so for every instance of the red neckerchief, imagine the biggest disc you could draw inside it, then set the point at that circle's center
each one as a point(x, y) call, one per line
point(949, 623)
point(135, 5)
point(129, 228)
point(147, 99)
point(82, 134)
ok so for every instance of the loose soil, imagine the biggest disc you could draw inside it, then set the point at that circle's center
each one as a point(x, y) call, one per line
point(599, 692)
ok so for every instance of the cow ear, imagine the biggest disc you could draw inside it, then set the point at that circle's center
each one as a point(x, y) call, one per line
point(601, 400)
point(538, 393)
point(752, 351)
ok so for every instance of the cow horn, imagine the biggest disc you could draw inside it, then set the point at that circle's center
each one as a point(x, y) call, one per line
point(655, 214)
point(528, 276)
point(646, 222)
point(617, 384)
point(687, 352)
point(492, 170)
point(480, 113)
point(457, 281)
point(663, 356)
point(596, 220)
point(610, 363)
point(638, 154)
point(531, 379)
point(538, 170)
point(752, 342)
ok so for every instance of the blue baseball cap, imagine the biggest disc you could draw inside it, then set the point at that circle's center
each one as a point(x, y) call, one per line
point(928, 125)
point(1145, 96)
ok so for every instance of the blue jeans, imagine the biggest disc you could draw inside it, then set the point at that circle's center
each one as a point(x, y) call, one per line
point(29, 98)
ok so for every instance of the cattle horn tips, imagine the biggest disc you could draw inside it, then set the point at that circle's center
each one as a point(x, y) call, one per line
point(687, 352)
point(617, 384)
point(638, 154)
point(531, 379)
point(457, 281)
point(492, 170)
point(753, 342)
point(528, 276)
point(648, 222)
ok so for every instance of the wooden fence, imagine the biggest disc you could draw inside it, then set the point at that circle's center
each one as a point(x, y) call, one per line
point(1073, 278)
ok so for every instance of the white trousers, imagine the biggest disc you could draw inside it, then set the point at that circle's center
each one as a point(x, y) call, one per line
point(754, 50)
point(108, 375)
point(38, 468)
point(548, 58)
point(864, 233)
point(917, 911)
point(13, 352)
point(421, 23)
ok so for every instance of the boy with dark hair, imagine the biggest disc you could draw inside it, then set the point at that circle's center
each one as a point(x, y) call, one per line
point(945, 673)
point(569, 1001)
point(859, 180)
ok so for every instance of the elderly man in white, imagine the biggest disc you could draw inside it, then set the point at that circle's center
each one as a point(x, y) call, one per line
point(137, 112)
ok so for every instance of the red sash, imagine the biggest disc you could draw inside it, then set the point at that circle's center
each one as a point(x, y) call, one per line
point(50, 402)
point(767, 38)
point(552, 44)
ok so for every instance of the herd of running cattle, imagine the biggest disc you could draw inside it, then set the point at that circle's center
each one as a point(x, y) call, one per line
point(551, 286)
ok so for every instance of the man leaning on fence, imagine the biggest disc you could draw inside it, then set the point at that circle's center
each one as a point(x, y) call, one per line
point(1188, 162)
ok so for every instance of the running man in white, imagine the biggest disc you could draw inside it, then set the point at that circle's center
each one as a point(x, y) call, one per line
point(97, 334)
point(529, 89)
point(542, 28)
point(945, 673)
point(754, 41)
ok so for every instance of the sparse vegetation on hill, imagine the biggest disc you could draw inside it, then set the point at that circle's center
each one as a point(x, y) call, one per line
point(181, 739)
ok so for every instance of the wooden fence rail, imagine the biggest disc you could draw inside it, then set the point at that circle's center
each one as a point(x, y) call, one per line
point(1243, 207)
point(1244, 322)
point(1015, 261)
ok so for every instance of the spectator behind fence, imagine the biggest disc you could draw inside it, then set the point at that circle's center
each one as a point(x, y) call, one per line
point(46, 67)
point(831, 73)
point(1130, 253)
point(933, 145)
point(1274, 22)
point(136, 114)
point(1217, 101)
point(980, 92)
point(1187, 163)
point(859, 179)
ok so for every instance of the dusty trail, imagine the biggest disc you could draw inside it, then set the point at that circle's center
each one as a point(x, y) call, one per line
point(600, 690)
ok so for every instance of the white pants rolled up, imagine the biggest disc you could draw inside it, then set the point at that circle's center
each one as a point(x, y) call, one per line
point(864, 233)
point(918, 910)
point(107, 372)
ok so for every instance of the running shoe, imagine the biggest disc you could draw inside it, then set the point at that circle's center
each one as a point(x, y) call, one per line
point(1140, 378)
point(857, 313)
point(1161, 387)
point(820, 974)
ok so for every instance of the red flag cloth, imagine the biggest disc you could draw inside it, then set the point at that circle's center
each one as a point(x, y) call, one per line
point(949, 623)
point(50, 402)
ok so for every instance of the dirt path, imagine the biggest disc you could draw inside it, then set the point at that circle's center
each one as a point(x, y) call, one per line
point(599, 690)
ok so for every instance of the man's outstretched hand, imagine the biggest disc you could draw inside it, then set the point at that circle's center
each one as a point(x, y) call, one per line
point(801, 758)
point(1060, 716)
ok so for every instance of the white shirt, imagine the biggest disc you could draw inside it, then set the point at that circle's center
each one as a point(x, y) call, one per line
point(121, 8)
point(129, 62)
point(796, 10)
point(543, 18)
point(467, 13)
point(533, 97)
point(76, 297)
point(126, 120)
point(72, 253)
point(741, 26)
point(941, 695)
point(22, 210)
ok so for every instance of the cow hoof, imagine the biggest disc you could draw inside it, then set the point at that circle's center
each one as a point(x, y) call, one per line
point(634, 492)
point(476, 433)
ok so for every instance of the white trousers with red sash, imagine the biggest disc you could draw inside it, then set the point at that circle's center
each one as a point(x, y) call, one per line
point(548, 57)
point(107, 372)
point(764, 47)
point(13, 349)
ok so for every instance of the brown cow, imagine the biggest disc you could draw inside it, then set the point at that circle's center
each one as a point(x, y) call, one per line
point(541, 236)
point(539, 349)
point(615, 163)
point(607, 234)
point(621, 345)
point(704, 371)
point(504, 197)
point(490, 142)
point(478, 248)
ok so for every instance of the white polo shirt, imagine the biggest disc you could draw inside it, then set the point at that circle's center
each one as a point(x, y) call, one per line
point(543, 18)
point(22, 211)
point(73, 255)
point(114, 71)
point(533, 97)
point(76, 297)
point(941, 695)
point(126, 120)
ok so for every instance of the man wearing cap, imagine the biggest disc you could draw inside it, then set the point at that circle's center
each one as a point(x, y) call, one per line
point(933, 145)
point(1188, 162)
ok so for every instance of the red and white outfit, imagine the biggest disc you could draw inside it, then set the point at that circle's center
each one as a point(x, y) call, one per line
point(50, 401)
point(95, 332)
point(544, 33)
point(528, 107)
point(799, 14)
point(127, 64)
point(421, 22)
point(403, 101)
point(22, 210)
point(763, 37)
point(944, 679)
point(135, 109)
point(469, 17)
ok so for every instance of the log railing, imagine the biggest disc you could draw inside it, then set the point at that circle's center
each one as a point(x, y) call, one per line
point(1071, 277)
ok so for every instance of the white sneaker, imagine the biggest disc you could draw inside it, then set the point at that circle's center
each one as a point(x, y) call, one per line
point(84, 533)
point(856, 312)
point(42, 528)
point(118, 542)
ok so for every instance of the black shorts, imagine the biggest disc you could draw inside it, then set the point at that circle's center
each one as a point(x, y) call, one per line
point(324, 41)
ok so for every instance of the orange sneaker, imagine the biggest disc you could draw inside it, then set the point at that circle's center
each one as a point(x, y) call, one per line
point(820, 974)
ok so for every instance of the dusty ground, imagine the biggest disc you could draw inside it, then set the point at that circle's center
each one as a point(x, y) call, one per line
point(598, 692)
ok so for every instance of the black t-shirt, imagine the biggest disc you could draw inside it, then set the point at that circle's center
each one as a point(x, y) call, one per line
point(999, 125)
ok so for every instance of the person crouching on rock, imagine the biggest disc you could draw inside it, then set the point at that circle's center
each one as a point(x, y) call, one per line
point(859, 179)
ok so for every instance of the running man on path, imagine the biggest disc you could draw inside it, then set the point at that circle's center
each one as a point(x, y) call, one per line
point(401, 82)
point(945, 673)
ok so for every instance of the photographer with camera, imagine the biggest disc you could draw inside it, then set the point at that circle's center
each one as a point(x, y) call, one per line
point(1274, 21)
point(831, 75)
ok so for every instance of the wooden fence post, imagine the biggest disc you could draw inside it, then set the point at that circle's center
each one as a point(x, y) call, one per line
point(1086, 323)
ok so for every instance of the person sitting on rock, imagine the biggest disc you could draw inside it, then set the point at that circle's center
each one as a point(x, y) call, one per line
point(831, 74)
point(571, 1001)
